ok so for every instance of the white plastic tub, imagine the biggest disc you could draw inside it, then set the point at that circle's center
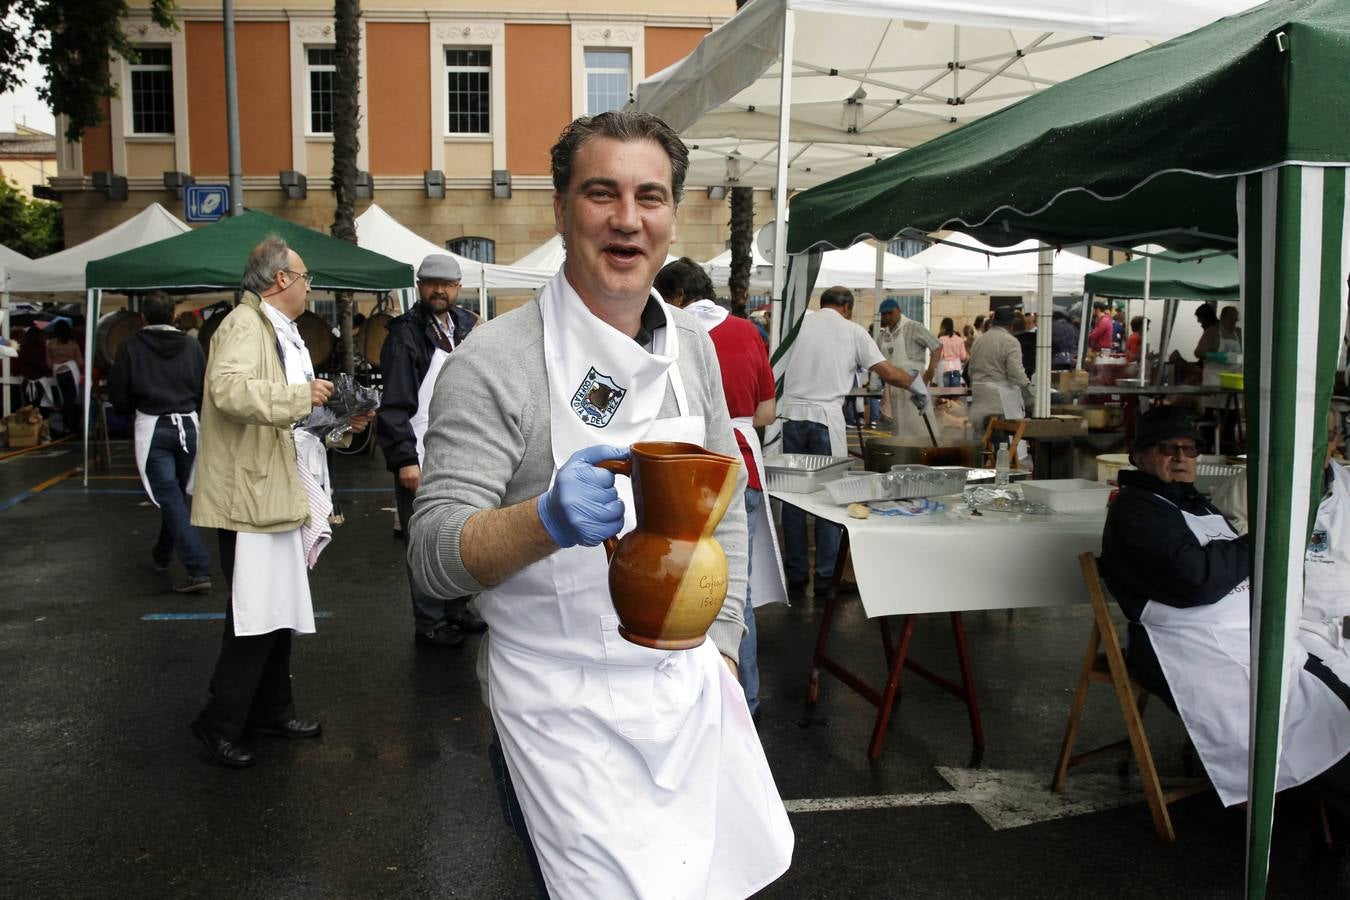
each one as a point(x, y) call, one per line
point(1109, 466)
point(1067, 494)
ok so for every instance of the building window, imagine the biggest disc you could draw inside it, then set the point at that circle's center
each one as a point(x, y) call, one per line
point(608, 74)
point(468, 91)
point(906, 247)
point(321, 67)
point(478, 249)
point(152, 91)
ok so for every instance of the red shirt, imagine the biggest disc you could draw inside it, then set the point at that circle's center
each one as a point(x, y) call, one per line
point(1133, 344)
point(1102, 334)
point(747, 379)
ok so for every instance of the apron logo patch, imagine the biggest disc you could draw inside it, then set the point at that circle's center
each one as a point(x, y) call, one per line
point(597, 399)
point(1319, 545)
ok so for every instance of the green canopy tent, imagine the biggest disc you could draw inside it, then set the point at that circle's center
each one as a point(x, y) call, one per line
point(1168, 276)
point(213, 258)
point(1232, 135)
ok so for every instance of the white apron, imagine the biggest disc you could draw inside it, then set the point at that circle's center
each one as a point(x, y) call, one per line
point(906, 420)
point(1211, 370)
point(144, 433)
point(418, 421)
point(1326, 577)
point(1205, 652)
point(639, 771)
point(270, 589)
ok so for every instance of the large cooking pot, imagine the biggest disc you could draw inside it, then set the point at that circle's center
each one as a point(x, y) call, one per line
point(370, 341)
point(113, 329)
point(882, 453)
point(318, 337)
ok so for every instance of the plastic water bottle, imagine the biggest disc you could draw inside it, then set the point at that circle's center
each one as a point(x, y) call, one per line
point(1001, 466)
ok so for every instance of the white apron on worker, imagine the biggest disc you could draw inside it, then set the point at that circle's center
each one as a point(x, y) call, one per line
point(144, 432)
point(1204, 652)
point(638, 770)
point(418, 421)
point(270, 589)
point(768, 583)
point(1212, 369)
point(1326, 577)
point(906, 420)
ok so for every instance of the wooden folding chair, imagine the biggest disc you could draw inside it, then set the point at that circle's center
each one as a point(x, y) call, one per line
point(1011, 427)
point(1104, 663)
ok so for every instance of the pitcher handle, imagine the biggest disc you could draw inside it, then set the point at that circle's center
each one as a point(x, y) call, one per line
point(618, 467)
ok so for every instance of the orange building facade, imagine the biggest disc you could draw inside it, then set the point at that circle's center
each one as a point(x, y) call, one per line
point(477, 96)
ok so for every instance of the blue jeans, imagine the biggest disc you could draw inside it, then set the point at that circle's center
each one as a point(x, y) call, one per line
point(429, 613)
point(167, 468)
point(808, 437)
point(951, 378)
point(748, 663)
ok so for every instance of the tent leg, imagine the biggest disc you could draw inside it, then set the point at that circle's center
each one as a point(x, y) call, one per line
point(4, 364)
point(90, 327)
point(780, 261)
point(1045, 308)
point(1083, 327)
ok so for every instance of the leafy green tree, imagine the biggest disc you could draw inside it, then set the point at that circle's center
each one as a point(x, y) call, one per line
point(75, 40)
point(30, 226)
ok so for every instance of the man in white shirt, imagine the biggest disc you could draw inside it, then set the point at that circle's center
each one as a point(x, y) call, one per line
point(828, 349)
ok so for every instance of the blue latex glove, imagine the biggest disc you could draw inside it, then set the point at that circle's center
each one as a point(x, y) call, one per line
point(582, 507)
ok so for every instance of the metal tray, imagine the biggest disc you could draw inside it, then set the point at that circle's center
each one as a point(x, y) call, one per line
point(803, 473)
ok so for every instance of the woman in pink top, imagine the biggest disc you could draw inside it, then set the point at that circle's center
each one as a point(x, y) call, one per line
point(954, 354)
point(1103, 329)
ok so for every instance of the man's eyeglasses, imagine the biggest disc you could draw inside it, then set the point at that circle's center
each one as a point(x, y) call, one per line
point(309, 279)
point(1167, 448)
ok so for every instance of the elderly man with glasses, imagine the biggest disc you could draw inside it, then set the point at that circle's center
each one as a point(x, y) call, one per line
point(1180, 573)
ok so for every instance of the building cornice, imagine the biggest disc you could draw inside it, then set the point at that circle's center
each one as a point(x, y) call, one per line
point(524, 17)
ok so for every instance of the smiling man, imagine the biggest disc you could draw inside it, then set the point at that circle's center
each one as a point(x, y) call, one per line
point(627, 771)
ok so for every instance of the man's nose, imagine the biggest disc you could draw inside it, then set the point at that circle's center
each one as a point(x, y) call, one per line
point(624, 214)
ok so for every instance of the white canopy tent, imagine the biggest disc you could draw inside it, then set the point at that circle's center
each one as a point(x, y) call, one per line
point(964, 264)
point(8, 258)
point(855, 268)
point(880, 75)
point(378, 231)
point(64, 271)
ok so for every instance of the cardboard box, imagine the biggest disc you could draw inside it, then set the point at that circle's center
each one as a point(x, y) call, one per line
point(1072, 381)
point(25, 434)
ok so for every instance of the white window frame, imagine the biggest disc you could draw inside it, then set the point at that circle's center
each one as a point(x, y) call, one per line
point(446, 33)
point(320, 31)
point(627, 36)
point(143, 31)
point(132, 69)
point(446, 69)
point(627, 72)
point(310, 69)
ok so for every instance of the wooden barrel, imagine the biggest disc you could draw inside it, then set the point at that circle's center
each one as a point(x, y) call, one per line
point(318, 337)
point(113, 329)
point(370, 341)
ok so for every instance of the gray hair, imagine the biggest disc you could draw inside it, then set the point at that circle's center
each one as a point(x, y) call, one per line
point(271, 256)
point(836, 296)
point(619, 125)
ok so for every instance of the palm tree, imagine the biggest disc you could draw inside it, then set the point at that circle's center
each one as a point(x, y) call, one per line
point(346, 83)
point(742, 232)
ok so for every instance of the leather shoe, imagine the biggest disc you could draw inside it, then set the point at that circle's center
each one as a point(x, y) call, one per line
point(444, 636)
point(225, 752)
point(466, 620)
point(293, 728)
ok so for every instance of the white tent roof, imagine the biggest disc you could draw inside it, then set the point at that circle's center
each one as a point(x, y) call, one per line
point(874, 76)
point(377, 230)
point(549, 256)
point(967, 268)
point(853, 268)
point(64, 271)
point(10, 257)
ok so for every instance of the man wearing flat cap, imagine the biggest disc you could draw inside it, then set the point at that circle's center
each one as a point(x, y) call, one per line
point(999, 385)
point(1181, 575)
point(418, 344)
point(910, 346)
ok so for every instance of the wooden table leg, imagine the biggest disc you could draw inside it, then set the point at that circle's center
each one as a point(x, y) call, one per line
point(968, 686)
point(892, 685)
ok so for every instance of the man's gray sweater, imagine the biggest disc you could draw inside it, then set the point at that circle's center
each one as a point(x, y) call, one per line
point(488, 445)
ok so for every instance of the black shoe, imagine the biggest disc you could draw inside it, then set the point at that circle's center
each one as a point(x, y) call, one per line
point(445, 636)
point(467, 620)
point(194, 584)
point(157, 565)
point(294, 729)
point(227, 753)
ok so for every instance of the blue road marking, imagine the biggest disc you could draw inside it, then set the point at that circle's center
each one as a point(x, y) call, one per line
point(188, 617)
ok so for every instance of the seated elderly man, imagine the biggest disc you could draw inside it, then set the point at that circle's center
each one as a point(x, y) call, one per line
point(1180, 573)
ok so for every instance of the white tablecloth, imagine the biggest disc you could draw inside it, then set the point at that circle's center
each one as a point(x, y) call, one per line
point(949, 563)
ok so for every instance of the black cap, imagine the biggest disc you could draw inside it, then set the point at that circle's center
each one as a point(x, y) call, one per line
point(1163, 423)
point(1004, 315)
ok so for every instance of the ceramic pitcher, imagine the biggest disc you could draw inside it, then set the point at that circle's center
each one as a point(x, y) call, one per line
point(668, 576)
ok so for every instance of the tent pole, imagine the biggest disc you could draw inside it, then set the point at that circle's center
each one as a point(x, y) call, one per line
point(482, 291)
point(1143, 332)
point(1045, 308)
point(879, 284)
point(780, 262)
point(90, 326)
point(4, 331)
point(1084, 315)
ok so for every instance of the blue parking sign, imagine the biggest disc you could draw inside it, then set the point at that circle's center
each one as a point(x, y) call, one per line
point(205, 202)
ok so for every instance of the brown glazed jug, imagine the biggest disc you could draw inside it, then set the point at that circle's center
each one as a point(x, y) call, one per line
point(668, 576)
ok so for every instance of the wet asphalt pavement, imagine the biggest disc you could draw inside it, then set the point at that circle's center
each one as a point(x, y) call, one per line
point(103, 791)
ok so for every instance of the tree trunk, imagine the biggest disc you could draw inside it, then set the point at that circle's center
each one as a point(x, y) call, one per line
point(742, 233)
point(346, 84)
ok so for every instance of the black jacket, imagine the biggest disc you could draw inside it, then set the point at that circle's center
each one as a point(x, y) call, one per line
point(404, 361)
point(1149, 553)
point(158, 371)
